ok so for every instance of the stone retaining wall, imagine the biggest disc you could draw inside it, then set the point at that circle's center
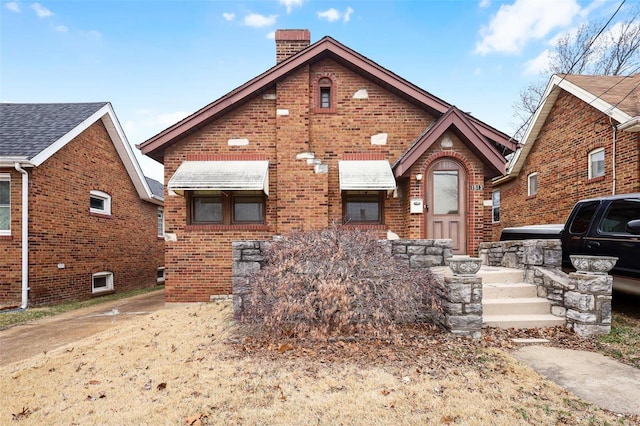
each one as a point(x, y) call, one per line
point(582, 299)
point(248, 257)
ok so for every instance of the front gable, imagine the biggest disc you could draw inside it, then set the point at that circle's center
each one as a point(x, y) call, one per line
point(456, 122)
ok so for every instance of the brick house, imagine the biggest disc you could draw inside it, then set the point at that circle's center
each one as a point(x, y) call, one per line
point(77, 217)
point(324, 136)
point(584, 141)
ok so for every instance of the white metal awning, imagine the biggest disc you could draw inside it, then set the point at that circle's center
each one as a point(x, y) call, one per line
point(221, 176)
point(366, 175)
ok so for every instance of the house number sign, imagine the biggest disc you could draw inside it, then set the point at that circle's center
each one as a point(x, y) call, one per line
point(476, 187)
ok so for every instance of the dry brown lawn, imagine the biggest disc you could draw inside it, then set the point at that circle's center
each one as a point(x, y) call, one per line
point(185, 365)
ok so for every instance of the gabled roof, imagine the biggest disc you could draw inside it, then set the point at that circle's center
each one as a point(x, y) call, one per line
point(616, 96)
point(31, 133)
point(326, 47)
point(455, 121)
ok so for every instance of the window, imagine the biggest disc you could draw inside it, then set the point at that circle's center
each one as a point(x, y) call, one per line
point(532, 184)
point(160, 222)
point(100, 202)
point(225, 208)
point(101, 281)
point(363, 207)
point(495, 206)
point(596, 163)
point(325, 95)
point(618, 215)
point(582, 217)
point(160, 274)
point(5, 205)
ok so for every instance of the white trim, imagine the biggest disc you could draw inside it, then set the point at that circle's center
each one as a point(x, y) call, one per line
point(160, 279)
point(106, 198)
point(529, 176)
point(109, 281)
point(120, 142)
point(590, 162)
point(6, 177)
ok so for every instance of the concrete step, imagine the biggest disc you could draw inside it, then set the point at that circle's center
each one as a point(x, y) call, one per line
point(522, 321)
point(516, 306)
point(502, 290)
point(495, 274)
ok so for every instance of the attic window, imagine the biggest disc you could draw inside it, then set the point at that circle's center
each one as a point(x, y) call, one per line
point(100, 202)
point(326, 95)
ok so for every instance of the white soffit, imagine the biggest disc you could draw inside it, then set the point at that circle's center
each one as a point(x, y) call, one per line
point(366, 175)
point(221, 176)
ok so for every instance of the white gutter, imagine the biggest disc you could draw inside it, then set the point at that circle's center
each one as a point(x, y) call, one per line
point(25, 235)
point(613, 157)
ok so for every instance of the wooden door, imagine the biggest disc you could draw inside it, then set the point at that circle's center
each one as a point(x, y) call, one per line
point(446, 203)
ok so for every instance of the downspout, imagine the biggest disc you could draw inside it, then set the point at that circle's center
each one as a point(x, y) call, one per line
point(25, 235)
point(613, 157)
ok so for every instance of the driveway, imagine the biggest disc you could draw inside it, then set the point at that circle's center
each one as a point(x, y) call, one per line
point(26, 340)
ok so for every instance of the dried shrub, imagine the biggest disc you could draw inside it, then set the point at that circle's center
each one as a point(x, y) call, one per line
point(340, 281)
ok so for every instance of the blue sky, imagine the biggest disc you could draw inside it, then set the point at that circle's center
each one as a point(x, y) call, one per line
point(158, 61)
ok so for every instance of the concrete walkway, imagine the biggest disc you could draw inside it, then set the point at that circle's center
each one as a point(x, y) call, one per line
point(26, 340)
point(595, 378)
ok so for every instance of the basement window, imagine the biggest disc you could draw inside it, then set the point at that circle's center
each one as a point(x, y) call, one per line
point(100, 202)
point(101, 281)
point(160, 275)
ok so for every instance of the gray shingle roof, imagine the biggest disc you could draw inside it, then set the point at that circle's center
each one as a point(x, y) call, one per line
point(156, 187)
point(28, 129)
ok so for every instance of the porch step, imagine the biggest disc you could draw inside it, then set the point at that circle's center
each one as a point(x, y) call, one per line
point(515, 306)
point(495, 275)
point(508, 290)
point(522, 321)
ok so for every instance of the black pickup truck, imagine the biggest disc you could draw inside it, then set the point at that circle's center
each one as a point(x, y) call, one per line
point(606, 226)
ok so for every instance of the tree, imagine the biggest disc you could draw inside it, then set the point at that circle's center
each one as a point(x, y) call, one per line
point(589, 51)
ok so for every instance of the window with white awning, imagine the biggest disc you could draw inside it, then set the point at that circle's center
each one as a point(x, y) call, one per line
point(221, 176)
point(364, 175)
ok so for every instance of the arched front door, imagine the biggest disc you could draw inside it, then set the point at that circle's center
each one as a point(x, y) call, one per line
point(446, 203)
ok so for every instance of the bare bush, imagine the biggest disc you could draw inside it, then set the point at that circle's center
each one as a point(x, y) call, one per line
point(339, 281)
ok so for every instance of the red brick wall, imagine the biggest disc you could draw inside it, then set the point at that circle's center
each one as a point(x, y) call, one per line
point(560, 157)
point(199, 261)
point(62, 231)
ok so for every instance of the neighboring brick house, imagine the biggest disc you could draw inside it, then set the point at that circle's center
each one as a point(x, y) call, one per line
point(93, 223)
point(324, 136)
point(584, 141)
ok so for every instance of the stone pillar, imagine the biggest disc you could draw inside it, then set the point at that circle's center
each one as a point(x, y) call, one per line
point(462, 300)
point(248, 257)
point(588, 305)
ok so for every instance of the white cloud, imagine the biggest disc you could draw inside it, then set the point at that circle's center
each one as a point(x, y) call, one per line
point(258, 21)
point(514, 25)
point(229, 16)
point(148, 124)
point(61, 28)
point(347, 15)
point(539, 64)
point(271, 35)
point(484, 3)
point(291, 3)
point(330, 15)
point(41, 11)
point(13, 6)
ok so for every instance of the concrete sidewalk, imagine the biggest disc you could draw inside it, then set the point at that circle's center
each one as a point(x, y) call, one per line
point(26, 340)
point(594, 378)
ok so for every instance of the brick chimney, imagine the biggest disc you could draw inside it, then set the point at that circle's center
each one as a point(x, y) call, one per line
point(290, 42)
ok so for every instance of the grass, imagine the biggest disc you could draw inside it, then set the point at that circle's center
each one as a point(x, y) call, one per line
point(8, 319)
point(623, 343)
point(186, 364)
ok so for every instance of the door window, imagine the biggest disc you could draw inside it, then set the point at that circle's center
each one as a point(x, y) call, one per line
point(583, 217)
point(445, 192)
point(618, 215)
